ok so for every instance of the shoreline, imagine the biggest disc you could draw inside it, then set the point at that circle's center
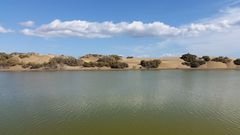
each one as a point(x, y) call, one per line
point(122, 70)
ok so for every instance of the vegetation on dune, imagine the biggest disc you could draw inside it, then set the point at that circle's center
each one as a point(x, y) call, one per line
point(193, 61)
point(189, 57)
point(109, 58)
point(7, 60)
point(31, 65)
point(60, 61)
point(206, 58)
point(118, 65)
point(222, 59)
point(150, 63)
point(22, 56)
point(236, 62)
point(92, 55)
point(130, 57)
point(111, 61)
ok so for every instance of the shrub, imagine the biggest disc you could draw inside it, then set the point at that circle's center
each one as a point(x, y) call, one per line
point(150, 63)
point(89, 64)
point(102, 64)
point(129, 57)
point(222, 59)
point(118, 65)
point(194, 64)
point(36, 66)
point(206, 58)
point(4, 56)
point(12, 62)
point(71, 61)
point(236, 62)
point(91, 55)
point(109, 59)
point(189, 57)
point(22, 56)
point(116, 57)
point(62, 60)
point(33, 65)
point(6, 61)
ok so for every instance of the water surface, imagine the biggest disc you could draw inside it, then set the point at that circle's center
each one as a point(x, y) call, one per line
point(120, 103)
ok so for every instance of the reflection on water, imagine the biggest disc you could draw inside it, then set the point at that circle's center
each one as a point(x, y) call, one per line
point(120, 103)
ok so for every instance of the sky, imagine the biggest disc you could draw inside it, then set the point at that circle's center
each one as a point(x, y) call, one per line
point(140, 28)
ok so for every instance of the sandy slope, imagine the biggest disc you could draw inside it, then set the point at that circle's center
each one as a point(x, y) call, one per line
point(166, 63)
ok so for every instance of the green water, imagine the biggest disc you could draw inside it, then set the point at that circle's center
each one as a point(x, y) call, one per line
point(120, 103)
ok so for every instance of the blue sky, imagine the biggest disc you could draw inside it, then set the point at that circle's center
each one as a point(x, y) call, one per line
point(145, 28)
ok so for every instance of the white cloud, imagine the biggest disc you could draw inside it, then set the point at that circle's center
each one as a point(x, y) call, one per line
point(4, 30)
point(27, 23)
point(84, 29)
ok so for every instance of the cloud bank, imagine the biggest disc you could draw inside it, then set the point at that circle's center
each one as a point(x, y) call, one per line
point(228, 19)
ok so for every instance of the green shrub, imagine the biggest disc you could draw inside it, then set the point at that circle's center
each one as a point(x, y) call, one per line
point(102, 64)
point(236, 62)
point(33, 65)
point(118, 65)
point(222, 59)
point(62, 60)
point(206, 58)
point(89, 64)
point(116, 57)
point(129, 57)
point(71, 61)
point(189, 57)
point(150, 63)
point(194, 64)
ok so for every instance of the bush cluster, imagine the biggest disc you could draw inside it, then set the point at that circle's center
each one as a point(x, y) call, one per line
point(193, 61)
point(6, 60)
point(62, 60)
point(206, 58)
point(222, 59)
point(129, 57)
point(150, 63)
point(92, 55)
point(22, 56)
point(189, 57)
point(118, 65)
point(32, 65)
point(236, 62)
point(111, 61)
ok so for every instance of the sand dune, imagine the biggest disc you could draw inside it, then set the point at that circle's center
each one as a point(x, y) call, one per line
point(134, 63)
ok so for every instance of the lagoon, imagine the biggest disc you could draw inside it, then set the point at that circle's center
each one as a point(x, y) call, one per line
point(168, 102)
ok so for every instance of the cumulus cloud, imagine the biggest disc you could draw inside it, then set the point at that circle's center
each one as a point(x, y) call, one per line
point(27, 23)
point(4, 30)
point(84, 29)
